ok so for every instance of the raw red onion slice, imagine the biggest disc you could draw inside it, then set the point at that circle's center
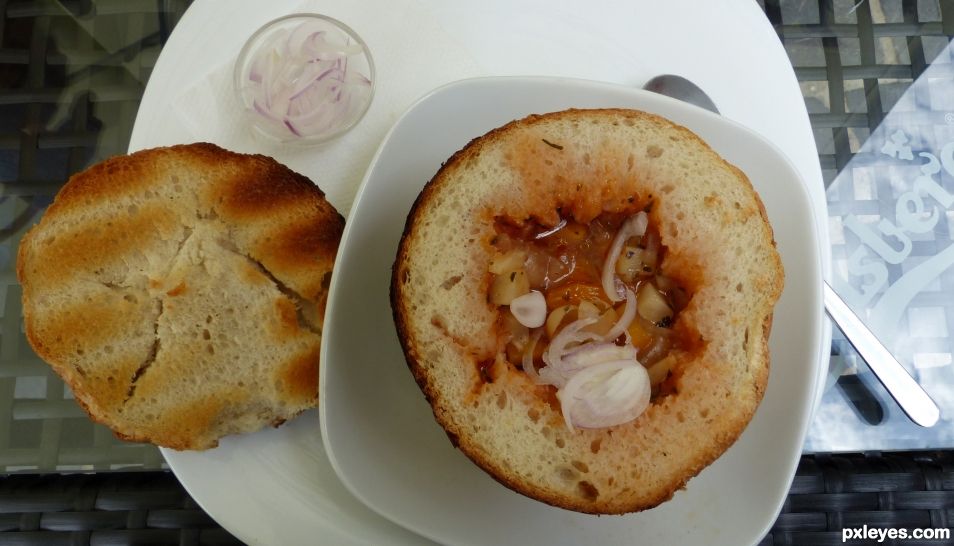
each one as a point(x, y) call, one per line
point(309, 77)
point(599, 384)
point(571, 333)
point(549, 376)
point(560, 225)
point(634, 226)
point(596, 353)
point(622, 325)
point(605, 395)
point(527, 362)
point(530, 309)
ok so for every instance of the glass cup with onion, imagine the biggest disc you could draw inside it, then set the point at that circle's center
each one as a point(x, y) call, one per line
point(304, 79)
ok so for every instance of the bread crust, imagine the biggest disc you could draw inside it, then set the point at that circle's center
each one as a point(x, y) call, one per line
point(581, 163)
point(180, 292)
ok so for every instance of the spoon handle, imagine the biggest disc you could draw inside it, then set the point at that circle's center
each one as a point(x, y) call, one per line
point(915, 402)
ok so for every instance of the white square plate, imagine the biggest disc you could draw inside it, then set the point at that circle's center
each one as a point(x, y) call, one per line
point(379, 431)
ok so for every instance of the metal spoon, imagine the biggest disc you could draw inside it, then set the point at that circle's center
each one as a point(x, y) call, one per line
point(915, 402)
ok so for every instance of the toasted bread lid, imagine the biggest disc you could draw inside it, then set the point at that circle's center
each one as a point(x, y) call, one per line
point(581, 163)
point(180, 292)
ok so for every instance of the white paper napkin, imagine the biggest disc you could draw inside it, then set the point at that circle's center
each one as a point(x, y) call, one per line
point(412, 55)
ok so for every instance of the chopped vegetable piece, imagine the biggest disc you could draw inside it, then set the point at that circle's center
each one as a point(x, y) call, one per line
point(652, 305)
point(508, 261)
point(557, 317)
point(508, 286)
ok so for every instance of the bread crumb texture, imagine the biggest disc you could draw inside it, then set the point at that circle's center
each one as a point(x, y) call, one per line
point(579, 164)
point(180, 292)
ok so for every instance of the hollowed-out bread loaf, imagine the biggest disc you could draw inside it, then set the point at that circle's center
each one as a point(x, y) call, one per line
point(180, 292)
point(580, 164)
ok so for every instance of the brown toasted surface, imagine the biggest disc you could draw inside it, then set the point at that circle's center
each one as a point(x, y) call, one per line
point(720, 247)
point(180, 292)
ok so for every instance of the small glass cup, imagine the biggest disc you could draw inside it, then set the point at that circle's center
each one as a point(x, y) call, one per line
point(304, 79)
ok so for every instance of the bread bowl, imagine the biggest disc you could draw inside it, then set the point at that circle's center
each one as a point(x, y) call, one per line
point(539, 178)
point(180, 292)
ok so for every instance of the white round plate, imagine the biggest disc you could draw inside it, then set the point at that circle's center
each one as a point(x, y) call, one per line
point(277, 486)
point(380, 433)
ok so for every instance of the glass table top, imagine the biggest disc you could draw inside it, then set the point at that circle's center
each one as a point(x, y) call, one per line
point(71, 77)
point(878, 81)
